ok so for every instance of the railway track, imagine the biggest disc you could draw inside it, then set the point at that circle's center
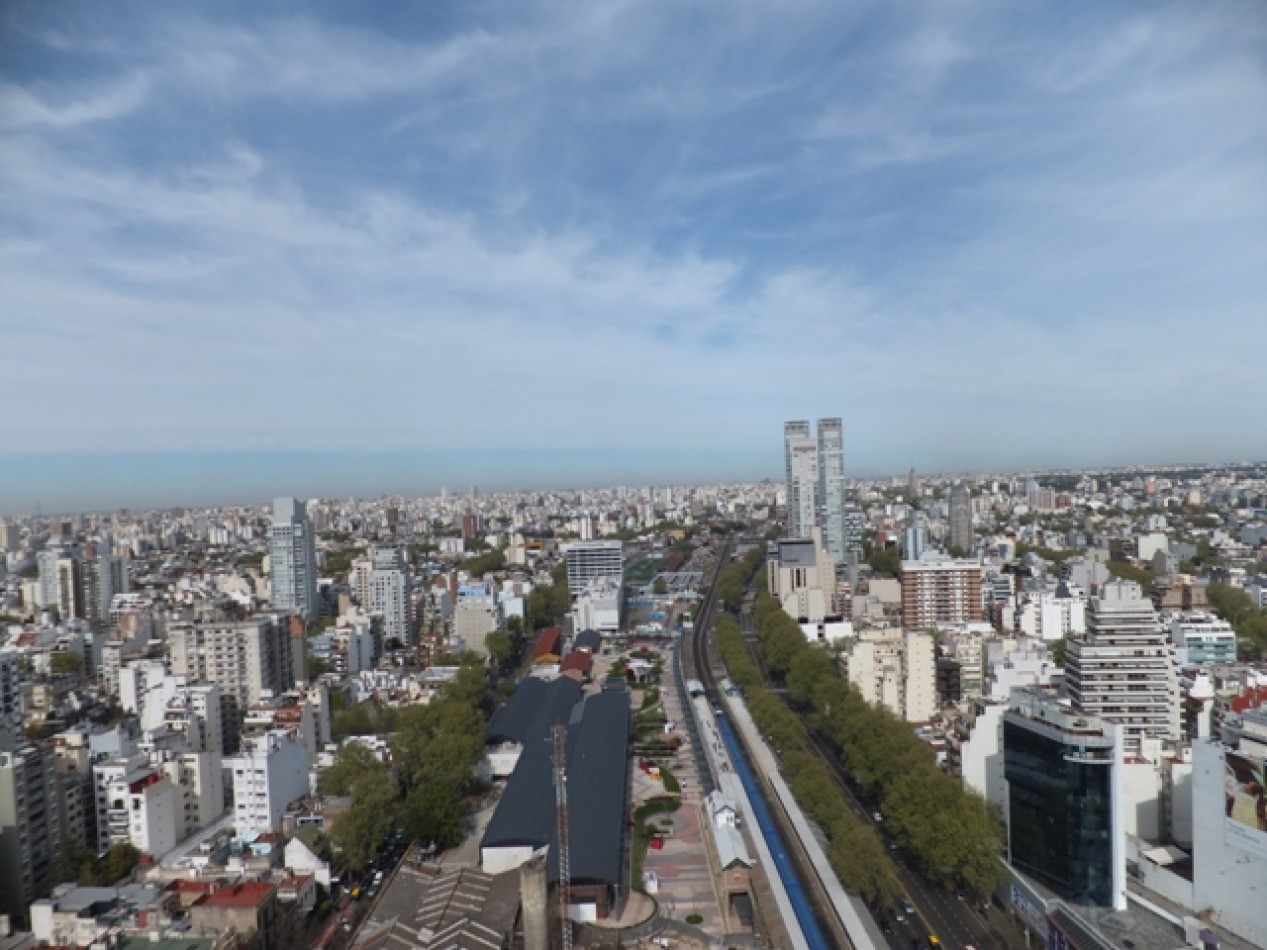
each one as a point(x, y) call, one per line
point(701, 667)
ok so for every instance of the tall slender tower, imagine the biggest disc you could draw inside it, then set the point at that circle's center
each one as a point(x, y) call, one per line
point(961, 518)
point(292, 555)
point(389, 593)
point(801, 460)
point(831, 487)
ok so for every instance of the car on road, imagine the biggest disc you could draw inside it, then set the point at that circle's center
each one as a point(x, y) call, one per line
point(877, 816)
point(908, 907)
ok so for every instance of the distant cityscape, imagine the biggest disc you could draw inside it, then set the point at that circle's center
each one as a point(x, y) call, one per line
point(215, 719)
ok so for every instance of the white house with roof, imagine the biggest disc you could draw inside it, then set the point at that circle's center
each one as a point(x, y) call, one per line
point(724, 821)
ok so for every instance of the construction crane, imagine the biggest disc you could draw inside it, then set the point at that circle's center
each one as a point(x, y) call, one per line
point(561, 816)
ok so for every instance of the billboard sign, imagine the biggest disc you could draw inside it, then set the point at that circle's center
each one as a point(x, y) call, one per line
point(1245, 801)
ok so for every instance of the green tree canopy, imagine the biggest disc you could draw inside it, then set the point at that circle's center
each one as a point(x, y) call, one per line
point(354, 762)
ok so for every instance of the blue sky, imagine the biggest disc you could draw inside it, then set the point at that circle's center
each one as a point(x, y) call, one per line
point(250, 249)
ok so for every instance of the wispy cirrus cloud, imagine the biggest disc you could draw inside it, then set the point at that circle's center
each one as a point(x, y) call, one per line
point(22, 108)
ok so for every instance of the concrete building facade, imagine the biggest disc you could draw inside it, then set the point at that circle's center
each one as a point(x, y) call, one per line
point(831, 487)
point(800, 455)
point(590, 560)
point(247, 659)
point(270, 772)
point(1123, 670)
point(292, 558)
point(30, 826)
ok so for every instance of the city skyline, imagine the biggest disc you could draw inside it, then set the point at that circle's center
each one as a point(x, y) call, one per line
point(338, 253)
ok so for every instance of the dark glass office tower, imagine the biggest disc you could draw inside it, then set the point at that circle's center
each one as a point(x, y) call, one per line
point(1064, 802)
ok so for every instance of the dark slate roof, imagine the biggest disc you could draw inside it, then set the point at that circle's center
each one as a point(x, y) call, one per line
point(587, 640)
point(533, 699)
point(525, 814)
point(796, 554)
point(598, 780)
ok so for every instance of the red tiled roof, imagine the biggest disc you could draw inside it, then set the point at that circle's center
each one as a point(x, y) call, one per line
point(547, 643)
point(578, 660)
point(184, 885)
point(239, 895)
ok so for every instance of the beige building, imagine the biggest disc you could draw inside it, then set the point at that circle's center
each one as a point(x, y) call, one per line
point(474, 619)
point(247, 659)
point(895, 669)
point(802, 578)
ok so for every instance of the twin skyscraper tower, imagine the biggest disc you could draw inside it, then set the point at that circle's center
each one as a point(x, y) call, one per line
point(816, 487)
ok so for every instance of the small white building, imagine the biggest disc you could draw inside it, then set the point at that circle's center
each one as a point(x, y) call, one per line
point(298, 859)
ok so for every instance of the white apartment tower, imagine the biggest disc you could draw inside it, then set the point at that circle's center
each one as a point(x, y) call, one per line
point(800, 453)
point(388, 592)
point(292, 556)
point(815, 471)
point(103, 575)
point(831, 487)
point(590, 560)
point(961, 518)
point(1123, 671)
point(270, 773)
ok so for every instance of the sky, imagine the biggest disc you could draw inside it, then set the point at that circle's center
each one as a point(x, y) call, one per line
point(250, 249)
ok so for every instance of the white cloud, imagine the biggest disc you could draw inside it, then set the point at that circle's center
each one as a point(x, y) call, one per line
point(25, 109)
point(316, 230)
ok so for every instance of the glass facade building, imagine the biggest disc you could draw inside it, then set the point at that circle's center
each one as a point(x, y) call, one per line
point(1064, 801)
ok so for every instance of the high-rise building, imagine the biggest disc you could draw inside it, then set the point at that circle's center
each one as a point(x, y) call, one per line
point(961, 518)
point(292, 555)
point(800, 453)
point(30, 823)
point(815, 487)
point(588, 560)
point(915, 537)
point(10, 691)
point(940, 590)
point(1122, 670)
point(69, 574)
point(246, 659)
point(831, 487)
point(61, 578)
point(388, 593)
point(10, 536)
point(897, 670)
point(103, 574)
point(1065, 801)
point(855, 522)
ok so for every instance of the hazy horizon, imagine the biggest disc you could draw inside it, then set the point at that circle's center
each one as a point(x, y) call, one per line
point(202, 481)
